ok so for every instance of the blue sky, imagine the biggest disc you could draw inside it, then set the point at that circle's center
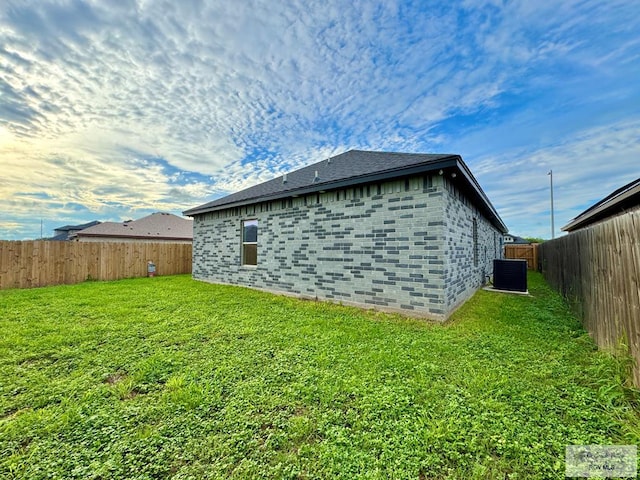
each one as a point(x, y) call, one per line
point(114, 110)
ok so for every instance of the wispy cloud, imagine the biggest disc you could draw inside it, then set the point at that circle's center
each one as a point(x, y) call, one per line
point(104, 103)
point(586, 167)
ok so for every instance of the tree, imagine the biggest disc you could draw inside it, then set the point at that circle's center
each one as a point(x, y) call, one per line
point(534, 239)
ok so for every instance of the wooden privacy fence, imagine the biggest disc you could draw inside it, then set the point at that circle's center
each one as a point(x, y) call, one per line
point(39, 263)
point(598, 270)
point(523, 252)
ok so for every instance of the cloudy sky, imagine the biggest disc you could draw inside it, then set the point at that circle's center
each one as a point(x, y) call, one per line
point(112, 110)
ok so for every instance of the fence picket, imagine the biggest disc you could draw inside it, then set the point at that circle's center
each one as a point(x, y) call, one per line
point(598, 270)
point(37, 263)
point(523, 252)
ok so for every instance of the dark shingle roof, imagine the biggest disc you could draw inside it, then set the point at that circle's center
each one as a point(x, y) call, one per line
point(355, 167)
point(68, 232)
point(518, 240)
point(59, 238)
point(82, 226)
point(622, 199)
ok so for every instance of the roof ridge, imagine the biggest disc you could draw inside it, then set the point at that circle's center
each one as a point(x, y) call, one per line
point(344, 167)
point(349, 169)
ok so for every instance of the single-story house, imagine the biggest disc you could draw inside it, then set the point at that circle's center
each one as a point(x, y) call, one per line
point(622, 200)
point(157, 227)
point(394, 231)
point(510, 239)
point(68, 232)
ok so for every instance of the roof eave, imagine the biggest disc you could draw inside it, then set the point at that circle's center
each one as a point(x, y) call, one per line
point(318, 187)
point(601, 212)
point(137, 237)
point(481, 196)
point(446, 162)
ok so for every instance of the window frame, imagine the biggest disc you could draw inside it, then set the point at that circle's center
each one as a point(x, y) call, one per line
point(244, 243)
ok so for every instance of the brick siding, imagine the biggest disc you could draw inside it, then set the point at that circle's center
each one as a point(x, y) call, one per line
point(402, 245)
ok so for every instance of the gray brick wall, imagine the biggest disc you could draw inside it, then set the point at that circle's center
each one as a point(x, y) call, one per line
point(383, 245)
point(467, 262)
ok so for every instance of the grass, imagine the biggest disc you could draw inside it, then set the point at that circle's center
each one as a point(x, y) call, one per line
point(172, 378)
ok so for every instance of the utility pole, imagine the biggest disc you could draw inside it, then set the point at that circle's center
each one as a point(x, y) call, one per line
point(41, 221)
point(553, 229)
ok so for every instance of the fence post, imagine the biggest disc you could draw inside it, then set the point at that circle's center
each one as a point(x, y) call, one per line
point(38, 263)
point(597, 269)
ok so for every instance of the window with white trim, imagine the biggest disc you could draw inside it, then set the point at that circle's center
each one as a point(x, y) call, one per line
point(249, 242)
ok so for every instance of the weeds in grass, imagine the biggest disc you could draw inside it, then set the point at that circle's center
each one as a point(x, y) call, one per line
point(168, 377)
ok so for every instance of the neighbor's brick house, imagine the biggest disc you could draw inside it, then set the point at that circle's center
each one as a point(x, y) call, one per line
point(394, 231)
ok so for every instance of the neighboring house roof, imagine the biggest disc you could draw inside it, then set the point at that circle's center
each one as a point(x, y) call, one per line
point(357, 167)
point(159, 226)
point(622, 199)
point(67, 232)
point(61, 237)
point(517, 240)
point(82, 226)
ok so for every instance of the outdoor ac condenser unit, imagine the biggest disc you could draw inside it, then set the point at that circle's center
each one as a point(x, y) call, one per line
point(510, 275)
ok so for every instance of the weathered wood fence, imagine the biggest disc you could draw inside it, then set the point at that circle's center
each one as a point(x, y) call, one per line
point(598, 270)
point(523, 252)
point(25, 264)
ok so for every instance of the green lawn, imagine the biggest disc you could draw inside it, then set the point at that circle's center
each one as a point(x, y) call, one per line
point(168, 377)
